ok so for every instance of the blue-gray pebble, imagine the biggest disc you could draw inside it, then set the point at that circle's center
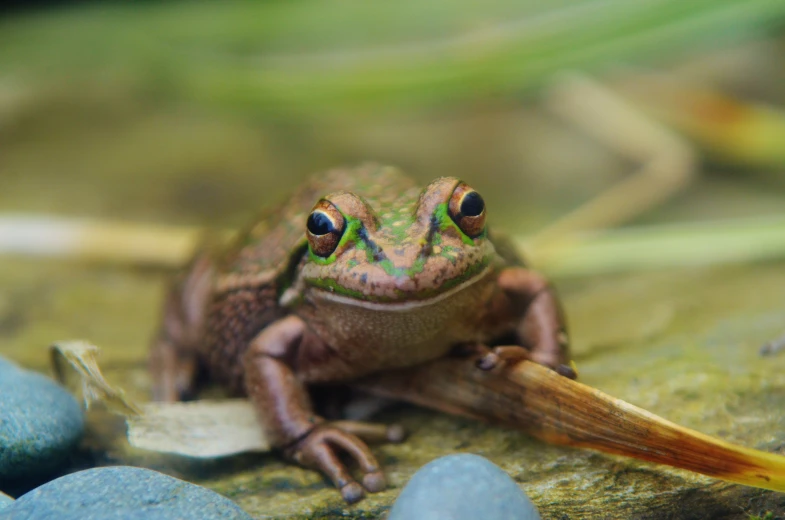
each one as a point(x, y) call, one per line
point(462, 487)
point(41, 423)
point(5, 500)
point(121, 493)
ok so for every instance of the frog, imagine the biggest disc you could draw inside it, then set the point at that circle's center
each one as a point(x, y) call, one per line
point(360, 271)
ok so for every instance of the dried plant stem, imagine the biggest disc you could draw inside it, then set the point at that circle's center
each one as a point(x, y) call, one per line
point(97, 241)
point(667, 162)
point(558, 410)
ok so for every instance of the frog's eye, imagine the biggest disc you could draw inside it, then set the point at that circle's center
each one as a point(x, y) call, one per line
point(324, 228)
point(467, 210)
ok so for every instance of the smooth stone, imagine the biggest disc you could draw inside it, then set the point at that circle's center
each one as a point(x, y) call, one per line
point(41, 423)
point(122, 493)
point(5, 500)
point(462, 486)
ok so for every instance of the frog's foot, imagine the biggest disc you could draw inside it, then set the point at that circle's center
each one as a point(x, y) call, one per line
point(542, 328)
point(486, 358)
point(555, 364)
point(511, 354)
point(499, 356)
point(319, 450)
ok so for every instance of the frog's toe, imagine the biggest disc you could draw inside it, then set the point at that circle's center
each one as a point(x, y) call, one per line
point(567, 371)
point(511, 354)
point(374, 481)
point(319, 451)
point(352, 492)
point(556, 364)
point(502, 355)
point(373, 432)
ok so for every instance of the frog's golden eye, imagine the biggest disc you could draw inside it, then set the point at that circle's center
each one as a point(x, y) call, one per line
point(467, 210)
point(324, 228)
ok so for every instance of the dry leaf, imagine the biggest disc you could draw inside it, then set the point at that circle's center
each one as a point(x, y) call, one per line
point(195, 429)
point(198, 428)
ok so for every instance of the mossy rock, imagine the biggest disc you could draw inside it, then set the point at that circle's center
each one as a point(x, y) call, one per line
point(682, 344)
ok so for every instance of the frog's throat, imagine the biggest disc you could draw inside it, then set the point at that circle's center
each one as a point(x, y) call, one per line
point(401, 306)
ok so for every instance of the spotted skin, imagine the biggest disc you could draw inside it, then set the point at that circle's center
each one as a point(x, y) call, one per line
point(409, 277)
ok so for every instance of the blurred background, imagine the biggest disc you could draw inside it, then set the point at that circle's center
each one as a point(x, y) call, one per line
point(197, 113)
point(658, 122)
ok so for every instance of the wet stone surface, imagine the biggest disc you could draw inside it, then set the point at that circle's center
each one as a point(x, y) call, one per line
point(122, 493)
point(40, 424)
point(462, 487)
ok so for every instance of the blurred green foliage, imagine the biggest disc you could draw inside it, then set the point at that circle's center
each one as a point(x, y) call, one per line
point(196, 111)
point(309, 57)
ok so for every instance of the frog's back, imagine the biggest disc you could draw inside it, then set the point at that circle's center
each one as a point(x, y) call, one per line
point(279, 231)
point(253, 273)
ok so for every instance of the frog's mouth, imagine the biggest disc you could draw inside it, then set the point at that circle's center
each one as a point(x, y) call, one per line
point(326, 289)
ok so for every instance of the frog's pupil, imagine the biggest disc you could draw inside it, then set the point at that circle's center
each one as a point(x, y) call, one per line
point(320, 224)
point(472, 204)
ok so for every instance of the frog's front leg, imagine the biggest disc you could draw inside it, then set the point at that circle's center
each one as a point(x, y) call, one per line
point(287, 416)
point(541, 326)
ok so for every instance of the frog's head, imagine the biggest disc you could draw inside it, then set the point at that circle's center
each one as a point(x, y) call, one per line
point(408, 248)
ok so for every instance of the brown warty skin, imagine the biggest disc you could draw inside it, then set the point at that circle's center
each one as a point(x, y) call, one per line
point(358, 272)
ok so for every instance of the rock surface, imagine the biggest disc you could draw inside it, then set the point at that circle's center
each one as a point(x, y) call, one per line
point(123, 493)
point(462, 487)
point(687, 350)
point(5, 500)
point(41, 423)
